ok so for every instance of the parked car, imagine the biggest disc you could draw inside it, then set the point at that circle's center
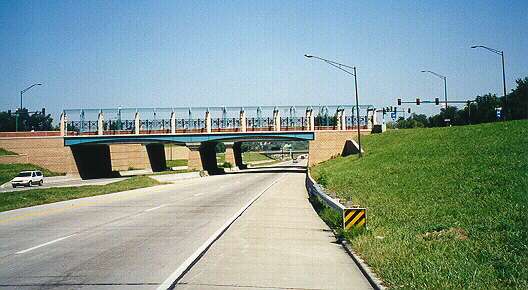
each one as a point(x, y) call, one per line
point(28, 178)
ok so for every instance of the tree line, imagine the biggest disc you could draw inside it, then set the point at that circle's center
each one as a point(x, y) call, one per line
point(481, 110)
point(27, 121)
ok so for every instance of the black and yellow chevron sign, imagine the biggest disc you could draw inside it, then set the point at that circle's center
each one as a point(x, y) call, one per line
point(354, 217)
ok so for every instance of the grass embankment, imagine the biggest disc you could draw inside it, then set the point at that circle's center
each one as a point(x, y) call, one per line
point(18, 199)
point(6, 152)
point(254, 156)
point(9, 171)
point(177, 162)
point(447, 206)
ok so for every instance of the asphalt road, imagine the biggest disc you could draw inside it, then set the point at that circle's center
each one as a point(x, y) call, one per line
point(130, 239)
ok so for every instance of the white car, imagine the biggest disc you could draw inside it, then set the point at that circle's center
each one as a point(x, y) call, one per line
point(28, 178)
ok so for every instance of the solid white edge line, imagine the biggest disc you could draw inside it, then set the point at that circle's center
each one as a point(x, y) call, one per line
point(45, 244)
point(191, 260)
point(154, 208)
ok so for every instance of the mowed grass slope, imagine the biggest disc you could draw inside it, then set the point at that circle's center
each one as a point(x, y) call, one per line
point(448, 207)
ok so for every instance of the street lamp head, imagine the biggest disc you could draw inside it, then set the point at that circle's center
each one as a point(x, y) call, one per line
point(39, 84)
point(423, 71)
point(474, 46)
point(308, 56)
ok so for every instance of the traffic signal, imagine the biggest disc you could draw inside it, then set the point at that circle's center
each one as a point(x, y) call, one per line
point(395, 109)
point(437, 101)
point(418, 101)
point(409, 110)
point(44, 111)
point(399, 102)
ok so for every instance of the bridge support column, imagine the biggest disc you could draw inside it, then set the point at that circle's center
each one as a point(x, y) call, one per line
point(243, 124)
point(137, 124)
point(237, 151)
point(156, 155)
point(194, 160)
point(202, 156)
point(229, 153)
point(276, 120)
point(173, 123)
point(92, 161)
point(100, 123)
point(63, 125)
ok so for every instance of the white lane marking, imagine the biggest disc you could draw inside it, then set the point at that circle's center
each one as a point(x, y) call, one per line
point(198, 194)
point(170, 282)
point(45, 244)
point(154, 208)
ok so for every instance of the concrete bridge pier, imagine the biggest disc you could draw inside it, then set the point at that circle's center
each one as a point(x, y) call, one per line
point(92, 161)
point(202, 156)
point(156, 155)
point(229, 153)
point(237, 151)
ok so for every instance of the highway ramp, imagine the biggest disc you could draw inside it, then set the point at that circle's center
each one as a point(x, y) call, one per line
point(134, 239)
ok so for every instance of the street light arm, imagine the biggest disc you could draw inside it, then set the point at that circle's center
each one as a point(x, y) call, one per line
point(28, 88)
point(489, 48)
point(432, 72)
point(340, 68)
point(328, 61)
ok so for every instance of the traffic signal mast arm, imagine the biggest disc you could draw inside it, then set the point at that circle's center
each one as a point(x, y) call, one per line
point(436, 102)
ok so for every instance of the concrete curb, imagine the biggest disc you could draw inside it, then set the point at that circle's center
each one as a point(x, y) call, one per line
point(374, 281)
point(316, 189)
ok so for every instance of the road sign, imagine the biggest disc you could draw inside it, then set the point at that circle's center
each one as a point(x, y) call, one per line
point(354, 217)
point(393, 115)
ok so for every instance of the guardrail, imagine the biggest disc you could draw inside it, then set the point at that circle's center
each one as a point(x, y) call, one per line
point(316, 189)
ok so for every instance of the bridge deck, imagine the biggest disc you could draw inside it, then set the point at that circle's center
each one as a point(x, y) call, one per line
point(189, 137)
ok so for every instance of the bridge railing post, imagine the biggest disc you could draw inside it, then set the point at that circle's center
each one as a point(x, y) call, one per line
point(208, 122)
point(370, 119)
point(137, 124)
point(63, 124)
point(173, 123)
point(243, 125)
point(100, 123)
point(276, 120)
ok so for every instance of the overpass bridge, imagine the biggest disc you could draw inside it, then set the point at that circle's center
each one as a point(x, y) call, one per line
point(91, 140)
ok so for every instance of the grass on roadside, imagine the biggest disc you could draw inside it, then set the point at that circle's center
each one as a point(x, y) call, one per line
point(254, 156)
point(9, 171)
point(6, 152)
point(177, 162)
point(18, 199)
point(447, 206)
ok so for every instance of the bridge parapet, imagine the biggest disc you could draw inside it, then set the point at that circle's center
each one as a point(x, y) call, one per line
point(76, 122)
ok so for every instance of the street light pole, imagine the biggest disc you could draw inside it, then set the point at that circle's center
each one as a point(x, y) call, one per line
point(501, 53)
point(445, 83)
point(20, 109)
point(342, 67)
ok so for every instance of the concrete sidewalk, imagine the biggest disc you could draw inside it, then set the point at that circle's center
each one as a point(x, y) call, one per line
point(278, 243)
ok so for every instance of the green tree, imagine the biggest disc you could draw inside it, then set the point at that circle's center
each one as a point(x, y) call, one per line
point(517, 102)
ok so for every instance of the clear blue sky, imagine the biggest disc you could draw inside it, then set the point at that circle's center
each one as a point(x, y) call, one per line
point(198, 53)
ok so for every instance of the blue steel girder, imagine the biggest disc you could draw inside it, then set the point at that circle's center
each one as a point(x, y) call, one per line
point(188, 138)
